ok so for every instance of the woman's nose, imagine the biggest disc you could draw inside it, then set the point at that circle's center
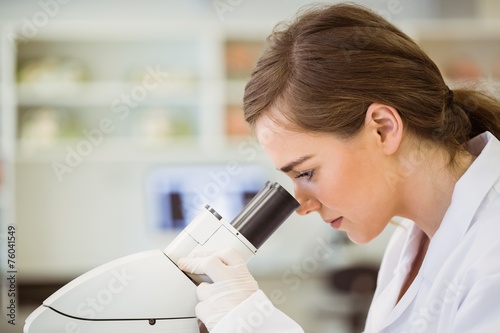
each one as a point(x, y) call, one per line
point(308, 204)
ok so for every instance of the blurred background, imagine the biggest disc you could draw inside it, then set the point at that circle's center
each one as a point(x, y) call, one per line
point(119, 120)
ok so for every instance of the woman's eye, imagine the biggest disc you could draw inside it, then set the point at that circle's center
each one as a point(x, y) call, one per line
point(307, 174)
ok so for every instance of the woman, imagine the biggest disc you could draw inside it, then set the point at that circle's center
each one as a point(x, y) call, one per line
point(362, 121)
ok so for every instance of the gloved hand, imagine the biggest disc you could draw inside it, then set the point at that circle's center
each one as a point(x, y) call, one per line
point(232, 283)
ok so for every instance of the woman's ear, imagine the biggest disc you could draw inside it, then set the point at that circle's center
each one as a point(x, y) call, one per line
point(385, 125)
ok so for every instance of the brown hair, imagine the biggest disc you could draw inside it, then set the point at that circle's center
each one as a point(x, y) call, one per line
point(327, 66)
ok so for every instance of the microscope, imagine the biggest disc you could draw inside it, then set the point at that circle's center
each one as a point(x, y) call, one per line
point(146, 292)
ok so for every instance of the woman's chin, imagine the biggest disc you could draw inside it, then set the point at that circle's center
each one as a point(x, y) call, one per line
point(358, 238)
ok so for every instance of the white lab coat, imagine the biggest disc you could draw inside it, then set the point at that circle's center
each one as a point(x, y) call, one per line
point(458, 286)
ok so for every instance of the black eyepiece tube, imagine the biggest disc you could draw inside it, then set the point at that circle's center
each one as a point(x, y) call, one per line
point(265, 213)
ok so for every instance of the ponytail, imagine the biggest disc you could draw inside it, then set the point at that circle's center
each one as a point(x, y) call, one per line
point(466, 113)
point(482, 110)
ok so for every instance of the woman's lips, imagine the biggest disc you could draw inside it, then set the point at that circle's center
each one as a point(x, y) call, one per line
point(336, 223)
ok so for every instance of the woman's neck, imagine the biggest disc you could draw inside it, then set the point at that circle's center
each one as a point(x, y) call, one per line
point(428, 189)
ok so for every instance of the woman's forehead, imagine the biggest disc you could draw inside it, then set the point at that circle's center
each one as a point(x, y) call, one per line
point(269, 130)
point(273, 122)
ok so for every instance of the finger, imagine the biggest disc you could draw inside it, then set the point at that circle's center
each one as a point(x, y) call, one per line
point(204, 310)
point(209, 315)
point(193, 265)
point(211, 266)
point(201, 253)
point(230, 257)
point(204, 291)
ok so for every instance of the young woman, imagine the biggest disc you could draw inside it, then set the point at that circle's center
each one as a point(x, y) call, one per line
point(362, 121)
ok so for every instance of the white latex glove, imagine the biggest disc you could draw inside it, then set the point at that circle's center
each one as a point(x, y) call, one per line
point(232, 283)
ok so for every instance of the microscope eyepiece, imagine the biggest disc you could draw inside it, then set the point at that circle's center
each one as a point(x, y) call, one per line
point(265, 213)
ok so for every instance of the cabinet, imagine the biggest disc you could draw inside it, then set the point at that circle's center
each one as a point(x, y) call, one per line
point(91, 94)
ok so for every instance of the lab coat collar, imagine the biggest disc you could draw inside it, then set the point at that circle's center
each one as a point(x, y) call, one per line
point(469, 192)
point(410, 249)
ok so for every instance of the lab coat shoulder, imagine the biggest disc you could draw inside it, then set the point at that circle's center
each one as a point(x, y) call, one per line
point(480, 247)
point(256, 314)
point(480, 277)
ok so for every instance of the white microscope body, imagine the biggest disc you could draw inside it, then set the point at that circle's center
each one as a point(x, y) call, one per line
point(146, 292)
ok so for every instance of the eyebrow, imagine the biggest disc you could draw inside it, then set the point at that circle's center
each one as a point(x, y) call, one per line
point(289, 167)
